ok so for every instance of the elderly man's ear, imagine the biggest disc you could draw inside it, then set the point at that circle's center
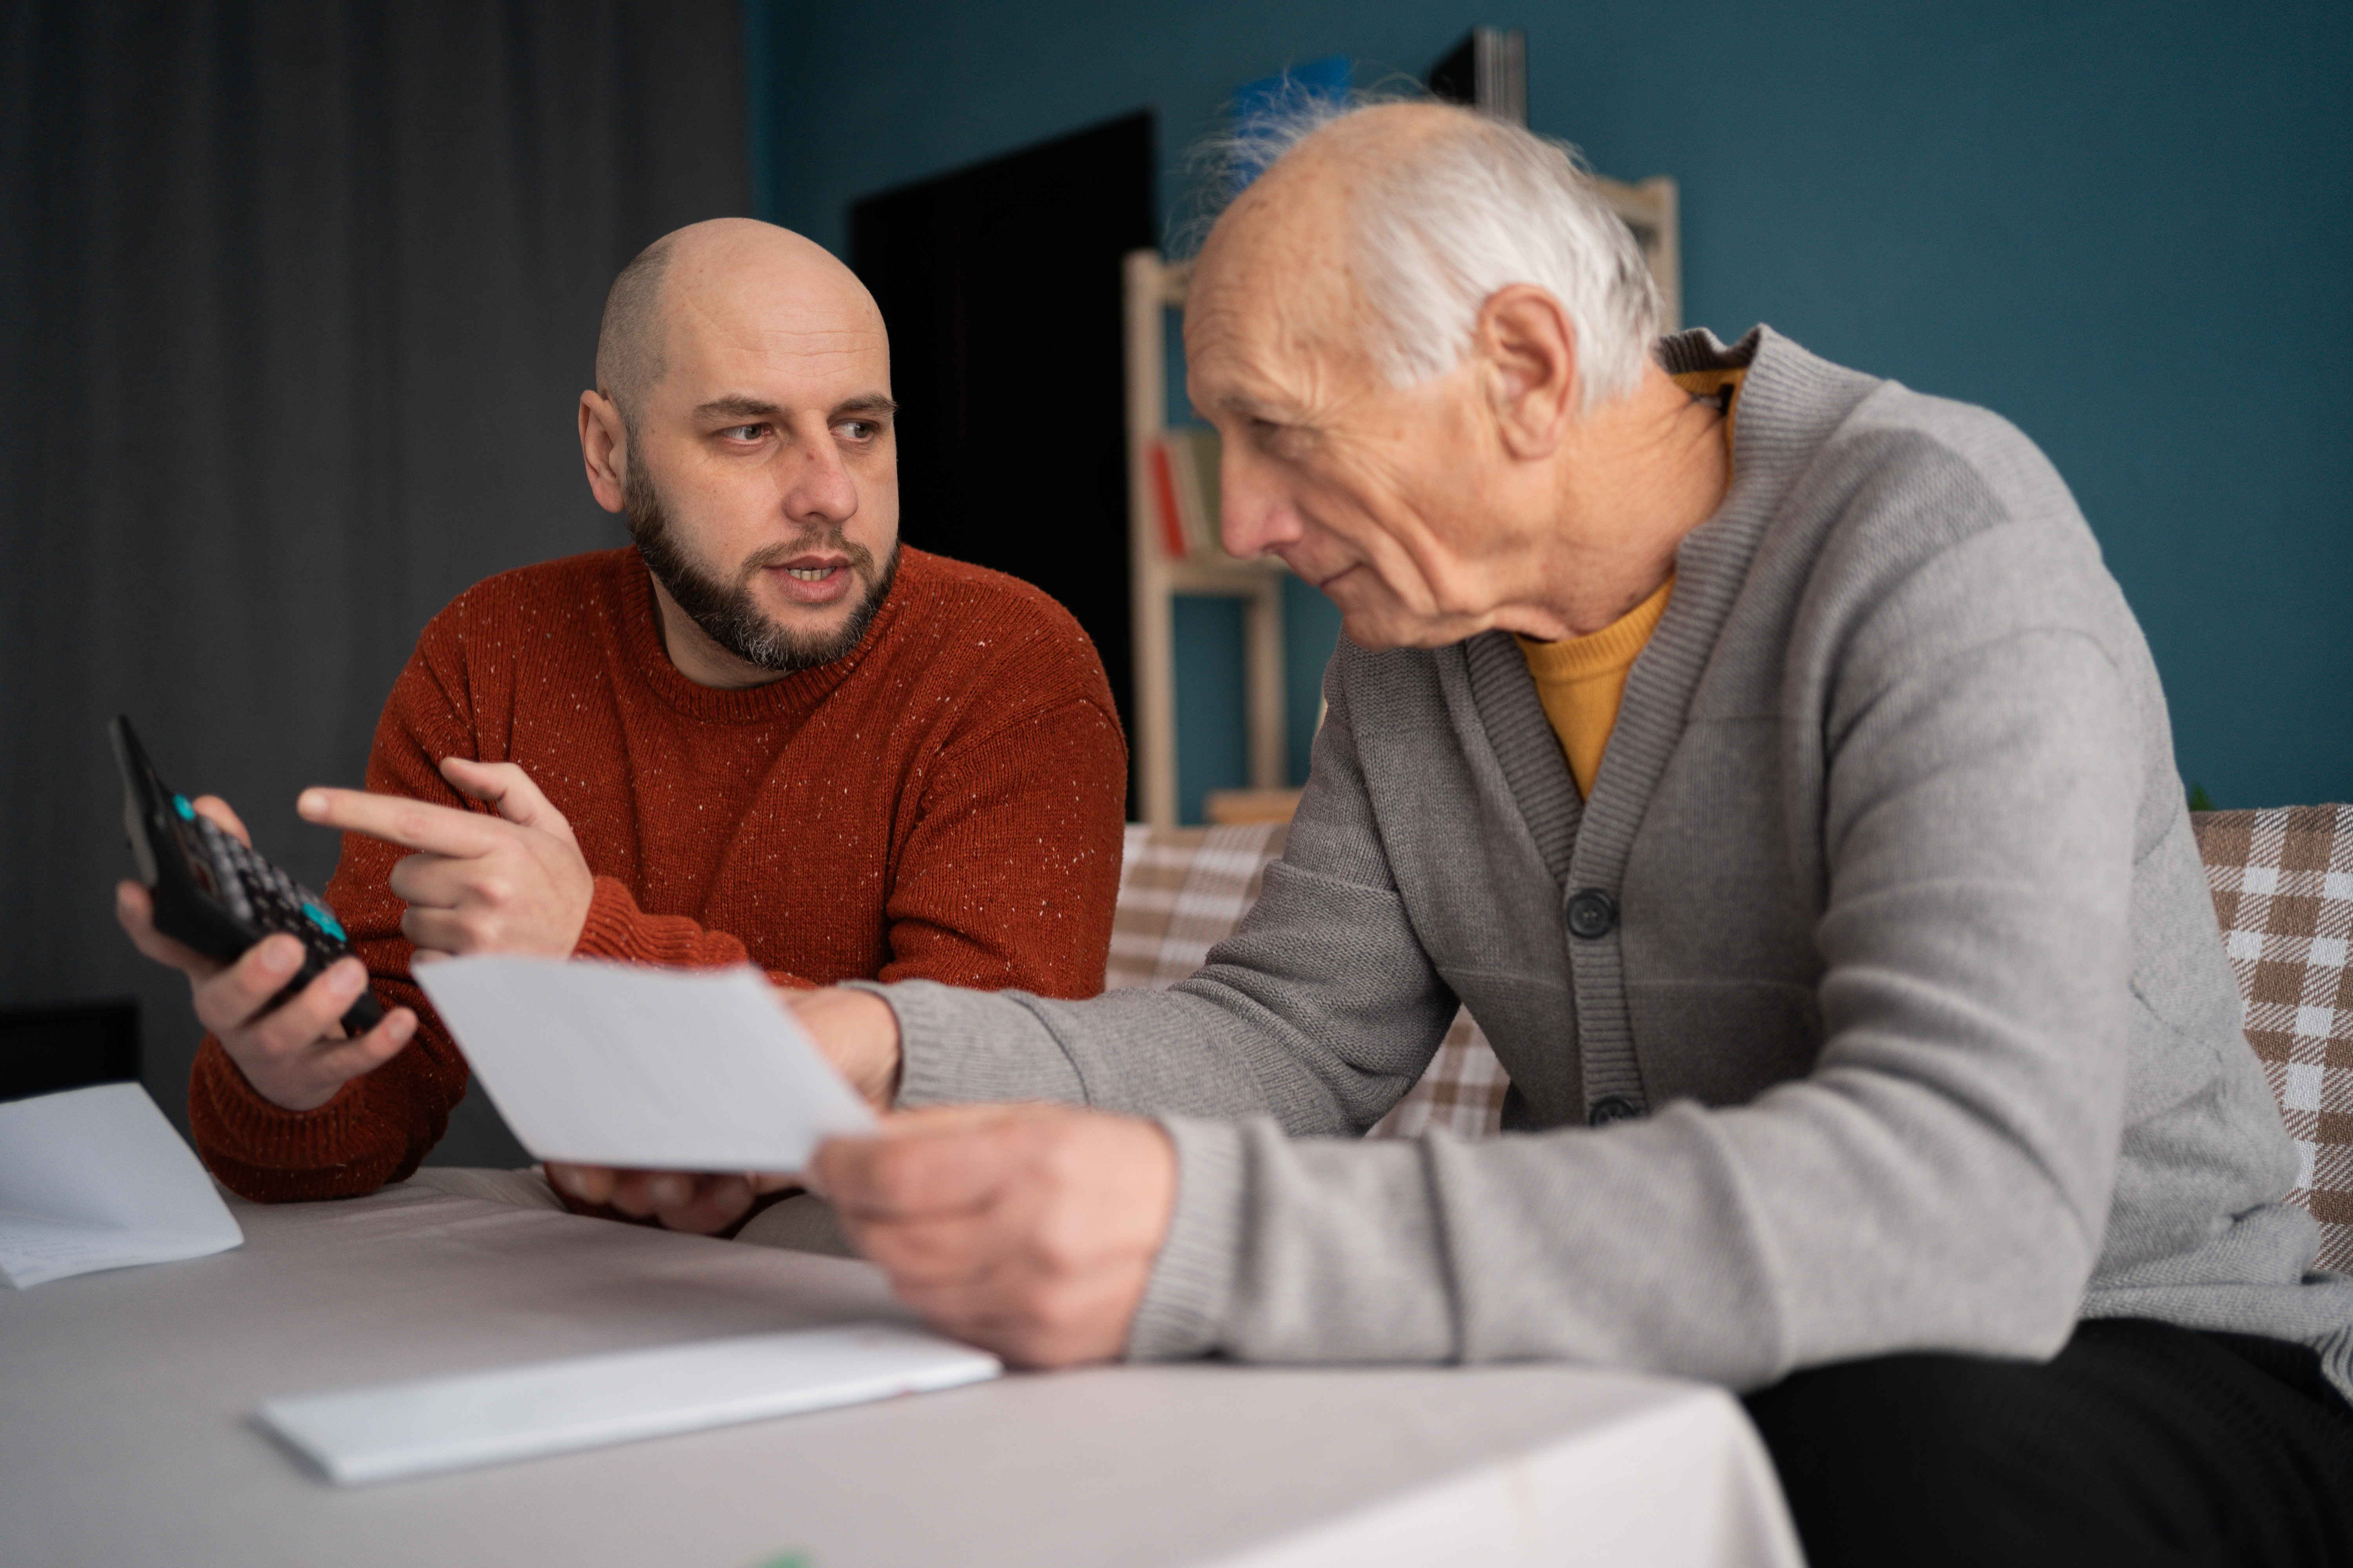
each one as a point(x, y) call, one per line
point(1528, 354)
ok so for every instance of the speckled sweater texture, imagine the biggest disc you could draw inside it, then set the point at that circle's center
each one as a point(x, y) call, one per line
point(944, 803)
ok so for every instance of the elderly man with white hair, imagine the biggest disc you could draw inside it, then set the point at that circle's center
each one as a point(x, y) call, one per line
point(1764, 754)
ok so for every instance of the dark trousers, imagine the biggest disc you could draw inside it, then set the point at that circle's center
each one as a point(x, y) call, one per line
point(2140, 1444)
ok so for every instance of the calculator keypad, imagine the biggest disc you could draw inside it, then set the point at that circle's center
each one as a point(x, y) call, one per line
point(262, 895)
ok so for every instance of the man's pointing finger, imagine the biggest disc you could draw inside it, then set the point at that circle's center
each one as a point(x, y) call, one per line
point(413, 824)
point(502, 786)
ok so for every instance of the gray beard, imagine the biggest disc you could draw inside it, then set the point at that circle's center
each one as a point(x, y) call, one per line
point(727, 612)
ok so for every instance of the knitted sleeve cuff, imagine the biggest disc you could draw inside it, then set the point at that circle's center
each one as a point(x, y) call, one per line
point(254, 1145)
point(965, 1046)
point(1184, 1309)
point(608, 931)
point(261, 1130)
point(617, 929)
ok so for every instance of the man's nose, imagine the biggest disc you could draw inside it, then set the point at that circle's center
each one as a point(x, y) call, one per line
point(1254, 515)
point(819, 488)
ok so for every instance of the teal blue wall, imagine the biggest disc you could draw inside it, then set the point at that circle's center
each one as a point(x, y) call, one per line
point(1212, 727)
point(2127, 226)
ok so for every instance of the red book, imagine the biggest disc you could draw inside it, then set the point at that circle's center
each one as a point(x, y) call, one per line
point(1164, 493)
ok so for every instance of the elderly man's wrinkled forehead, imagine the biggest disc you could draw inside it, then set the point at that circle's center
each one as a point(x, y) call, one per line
point(1274, 276)
point(1282, 257)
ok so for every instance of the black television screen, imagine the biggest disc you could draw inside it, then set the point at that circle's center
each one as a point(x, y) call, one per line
point(1000, 285)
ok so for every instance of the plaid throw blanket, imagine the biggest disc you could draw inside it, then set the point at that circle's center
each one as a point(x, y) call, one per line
point(1184, 890)
point(2283, 885)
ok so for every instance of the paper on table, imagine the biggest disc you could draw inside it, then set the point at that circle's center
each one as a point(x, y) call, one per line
point(96, 1177)
point(656, 1069)
point(585, 1401)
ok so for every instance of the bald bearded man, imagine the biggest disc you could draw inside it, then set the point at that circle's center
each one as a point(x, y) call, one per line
point(764, 733)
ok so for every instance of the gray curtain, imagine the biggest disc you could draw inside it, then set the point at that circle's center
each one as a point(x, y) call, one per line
point(295, 304)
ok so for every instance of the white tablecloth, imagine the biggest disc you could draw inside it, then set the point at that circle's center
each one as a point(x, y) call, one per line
point(126, 1433)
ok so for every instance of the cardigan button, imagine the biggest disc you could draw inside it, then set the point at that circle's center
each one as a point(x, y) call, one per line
point(1609, 1109)
point(1591, 914)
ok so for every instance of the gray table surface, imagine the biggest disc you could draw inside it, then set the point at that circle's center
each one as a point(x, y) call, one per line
point(126, 1434)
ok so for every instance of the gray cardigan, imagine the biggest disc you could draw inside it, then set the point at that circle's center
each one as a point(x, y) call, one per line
point(1873, 1002)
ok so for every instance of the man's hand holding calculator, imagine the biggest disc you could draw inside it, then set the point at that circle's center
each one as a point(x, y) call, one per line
point(513, 882)
point(296, 1054)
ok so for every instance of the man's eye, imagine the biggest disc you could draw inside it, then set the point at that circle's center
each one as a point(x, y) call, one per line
point(744, 432)
point(860, 430)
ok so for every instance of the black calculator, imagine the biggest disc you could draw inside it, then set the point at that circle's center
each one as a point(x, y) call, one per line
point(214, 894)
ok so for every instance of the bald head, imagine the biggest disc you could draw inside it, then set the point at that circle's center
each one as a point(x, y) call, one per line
point(728, 274)
point(629, 344)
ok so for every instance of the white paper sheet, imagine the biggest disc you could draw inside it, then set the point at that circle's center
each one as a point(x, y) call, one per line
point(96, 1177)
point(587, 1402)
point(656, 1069)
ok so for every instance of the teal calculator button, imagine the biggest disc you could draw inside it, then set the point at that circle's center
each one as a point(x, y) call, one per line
point(324, 921)
point(180, 804)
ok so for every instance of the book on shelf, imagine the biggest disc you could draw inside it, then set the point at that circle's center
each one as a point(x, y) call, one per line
point(1184, 493)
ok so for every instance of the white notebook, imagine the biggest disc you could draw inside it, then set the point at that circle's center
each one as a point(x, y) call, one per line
point(403, 1429)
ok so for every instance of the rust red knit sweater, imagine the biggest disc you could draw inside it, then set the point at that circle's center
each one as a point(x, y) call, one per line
point(942, 803)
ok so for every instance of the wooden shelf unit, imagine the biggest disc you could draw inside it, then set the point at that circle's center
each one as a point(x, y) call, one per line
point(1153, 288)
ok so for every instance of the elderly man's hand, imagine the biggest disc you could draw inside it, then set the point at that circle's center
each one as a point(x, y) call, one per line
point(515, 883)
point(1030, 1230)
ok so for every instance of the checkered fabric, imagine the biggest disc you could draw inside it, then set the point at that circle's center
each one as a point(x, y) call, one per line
point(1461, 1090)
point(2283, 885)
point(1181, 892)
point(1184, 890)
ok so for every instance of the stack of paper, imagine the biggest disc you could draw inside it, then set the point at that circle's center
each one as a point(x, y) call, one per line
point(95, 1179)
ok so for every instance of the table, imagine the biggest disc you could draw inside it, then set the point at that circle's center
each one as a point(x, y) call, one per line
point(126, 1433)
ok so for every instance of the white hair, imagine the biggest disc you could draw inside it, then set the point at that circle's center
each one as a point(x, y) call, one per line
point(1471, 207)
